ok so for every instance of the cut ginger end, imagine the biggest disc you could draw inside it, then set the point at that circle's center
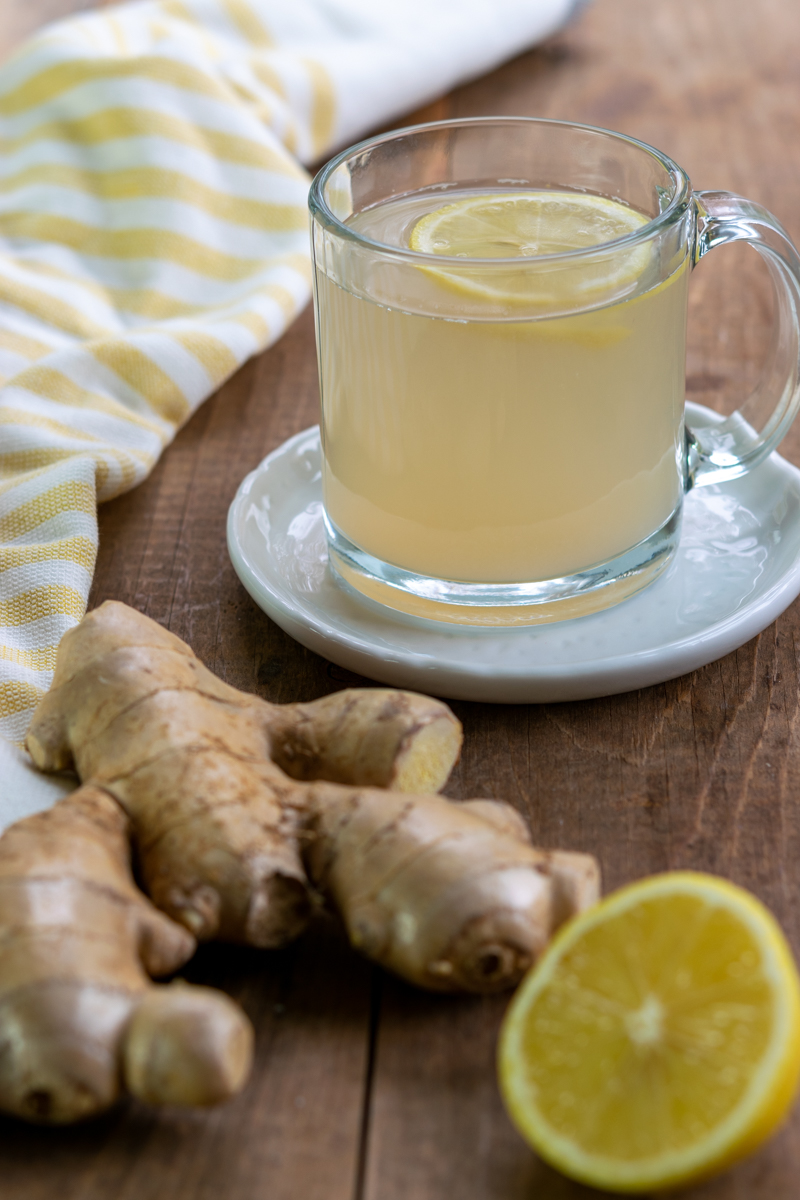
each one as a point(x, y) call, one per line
point(424, 763)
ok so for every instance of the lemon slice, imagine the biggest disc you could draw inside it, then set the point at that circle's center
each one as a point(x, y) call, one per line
point(523, 224)
point(529, 225)
point(658, 1039)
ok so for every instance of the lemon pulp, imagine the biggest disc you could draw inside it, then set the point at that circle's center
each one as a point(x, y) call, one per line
point(658, 1039)
point(531, 225)
point(523, 224)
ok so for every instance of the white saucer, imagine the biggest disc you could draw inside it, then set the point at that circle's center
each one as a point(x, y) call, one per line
point(737, 568)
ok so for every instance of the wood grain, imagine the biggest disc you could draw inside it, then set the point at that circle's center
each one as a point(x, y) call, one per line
point(365, 1089)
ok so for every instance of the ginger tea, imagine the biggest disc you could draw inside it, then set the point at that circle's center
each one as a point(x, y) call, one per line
point(495, 427)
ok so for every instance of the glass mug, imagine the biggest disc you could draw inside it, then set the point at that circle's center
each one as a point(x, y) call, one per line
point(503, 438)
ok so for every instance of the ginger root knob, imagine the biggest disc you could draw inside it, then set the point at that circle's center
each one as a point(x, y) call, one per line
point(187, 1045)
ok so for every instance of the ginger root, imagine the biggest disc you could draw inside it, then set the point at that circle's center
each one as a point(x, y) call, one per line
point(450, 896)
point(80, 1021)
point(216, 821)
point(242, 811)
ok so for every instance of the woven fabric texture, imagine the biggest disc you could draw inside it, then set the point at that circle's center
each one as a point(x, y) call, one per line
point(153, 236)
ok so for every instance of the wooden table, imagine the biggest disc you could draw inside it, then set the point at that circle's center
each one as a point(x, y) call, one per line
point(363, 1088)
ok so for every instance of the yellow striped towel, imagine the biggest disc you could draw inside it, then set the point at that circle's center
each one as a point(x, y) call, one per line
point(153, 236)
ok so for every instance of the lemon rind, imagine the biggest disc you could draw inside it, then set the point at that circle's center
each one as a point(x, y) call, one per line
point(433, 219)
point(770, 1090)
point(621, 281)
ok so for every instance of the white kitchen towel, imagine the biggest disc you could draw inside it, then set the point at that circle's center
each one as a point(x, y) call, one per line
point(153, 236)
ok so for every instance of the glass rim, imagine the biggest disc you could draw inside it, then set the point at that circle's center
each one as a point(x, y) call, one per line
point(320, 210)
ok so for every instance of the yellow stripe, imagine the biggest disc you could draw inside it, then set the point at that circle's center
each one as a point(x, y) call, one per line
point(43, 659)
point(72, 495)
point(217, 359)
point(114, 123)
point(119, 33)
point(149, 302)
point(53, 81)
point(155, 182)
point(55, 599)
point(16, 696)
point(79, 550)
point(289, 137)
point(261, 107)
point(27, 420)
point(10, 485)
point(323, 111)
point(50, 309)
point(146, 302)
point(159, 30)
point(73, 278)
point(20, 418)
point(20, 343)
point(126, 244)
point(269, 77)
point(157, 306)
point(247, 22)
point(176, 8)
point(132, 365)
point(300, 263)
point(256, 325)
point(29, 462)
point(53, 385)
point(281, 295)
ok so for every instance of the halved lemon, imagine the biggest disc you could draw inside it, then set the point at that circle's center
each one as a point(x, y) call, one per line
point(530, 225)
point(657, 1040)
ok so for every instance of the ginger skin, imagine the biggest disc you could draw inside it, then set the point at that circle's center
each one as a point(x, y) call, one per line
point(243, 811)
point(80, 1020)
point(452, 897)
point(193, 762)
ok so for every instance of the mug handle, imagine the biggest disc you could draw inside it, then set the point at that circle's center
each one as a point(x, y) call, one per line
point(727, 449)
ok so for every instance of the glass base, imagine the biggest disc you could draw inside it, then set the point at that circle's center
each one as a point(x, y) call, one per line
point(504, 604)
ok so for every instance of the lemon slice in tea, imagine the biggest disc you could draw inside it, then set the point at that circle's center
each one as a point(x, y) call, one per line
point(658, 1038)
point(523, 224)
point(528, 225)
